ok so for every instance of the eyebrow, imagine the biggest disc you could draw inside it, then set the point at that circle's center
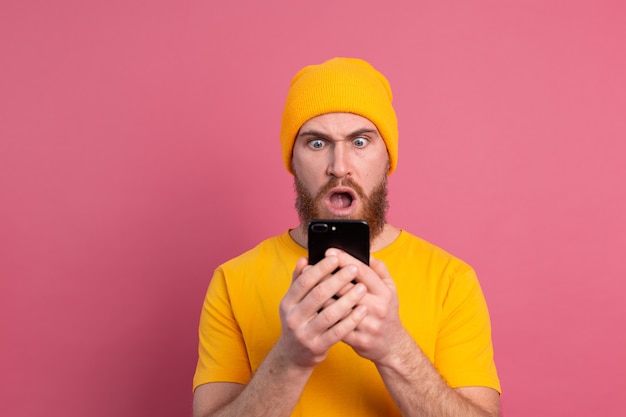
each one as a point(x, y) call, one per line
point(325, 136)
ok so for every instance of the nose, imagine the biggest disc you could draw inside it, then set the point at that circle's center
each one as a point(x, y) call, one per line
point(339, 164)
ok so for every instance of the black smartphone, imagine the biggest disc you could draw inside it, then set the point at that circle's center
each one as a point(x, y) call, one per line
point(352, 236)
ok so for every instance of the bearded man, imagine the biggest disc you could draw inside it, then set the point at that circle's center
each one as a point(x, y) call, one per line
point(409, 334)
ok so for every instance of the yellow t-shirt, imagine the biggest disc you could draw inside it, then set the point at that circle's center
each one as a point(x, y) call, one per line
point(441, 305)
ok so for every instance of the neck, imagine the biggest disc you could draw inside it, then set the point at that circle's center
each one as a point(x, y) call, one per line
point(384, 238)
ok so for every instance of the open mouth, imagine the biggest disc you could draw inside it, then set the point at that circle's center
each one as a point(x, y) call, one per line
point(341, 200)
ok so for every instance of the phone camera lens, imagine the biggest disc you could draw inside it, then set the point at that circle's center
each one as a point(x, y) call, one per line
point(319, 227)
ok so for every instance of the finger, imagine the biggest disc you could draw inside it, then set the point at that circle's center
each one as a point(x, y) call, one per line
point(346, 288)
point(343, 291)
point(340, 308)
point(356, 337)
point(344, 257)
point(325, 290)
point(366, 273)
point(380, 268)
point(344, 327)
point(300, 266)
point(305, 277)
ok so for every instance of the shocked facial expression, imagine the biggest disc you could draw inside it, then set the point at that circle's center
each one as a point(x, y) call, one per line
point(340, 163)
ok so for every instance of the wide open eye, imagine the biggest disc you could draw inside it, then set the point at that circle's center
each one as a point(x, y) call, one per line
point(316, 144)
point(360, 142)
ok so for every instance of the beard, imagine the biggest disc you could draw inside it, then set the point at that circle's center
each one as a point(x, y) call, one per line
point(373, 210)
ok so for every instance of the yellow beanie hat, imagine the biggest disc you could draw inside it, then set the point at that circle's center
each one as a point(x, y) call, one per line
point(340, 85)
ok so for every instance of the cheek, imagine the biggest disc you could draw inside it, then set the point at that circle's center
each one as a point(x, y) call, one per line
point(310, 170)
point(307, 178)
point(376, 168)
point(310, 184)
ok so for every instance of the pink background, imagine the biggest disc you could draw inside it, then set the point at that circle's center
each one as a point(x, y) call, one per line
point(139, 149)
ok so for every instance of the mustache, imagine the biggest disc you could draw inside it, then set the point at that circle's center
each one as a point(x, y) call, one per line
point(374, 205)
point(341, 182)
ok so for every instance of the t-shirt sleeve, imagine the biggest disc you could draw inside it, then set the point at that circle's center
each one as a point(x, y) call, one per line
point(464, 353)
point(222, 355)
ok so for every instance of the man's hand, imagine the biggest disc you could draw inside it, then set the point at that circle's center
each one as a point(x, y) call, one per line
point(380, 332)
point(413, 382)
point(312, 320)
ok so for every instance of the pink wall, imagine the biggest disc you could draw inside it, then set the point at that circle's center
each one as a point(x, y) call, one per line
point(139, 149)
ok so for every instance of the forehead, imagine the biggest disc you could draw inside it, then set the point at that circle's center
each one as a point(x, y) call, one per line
point(338, 123)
